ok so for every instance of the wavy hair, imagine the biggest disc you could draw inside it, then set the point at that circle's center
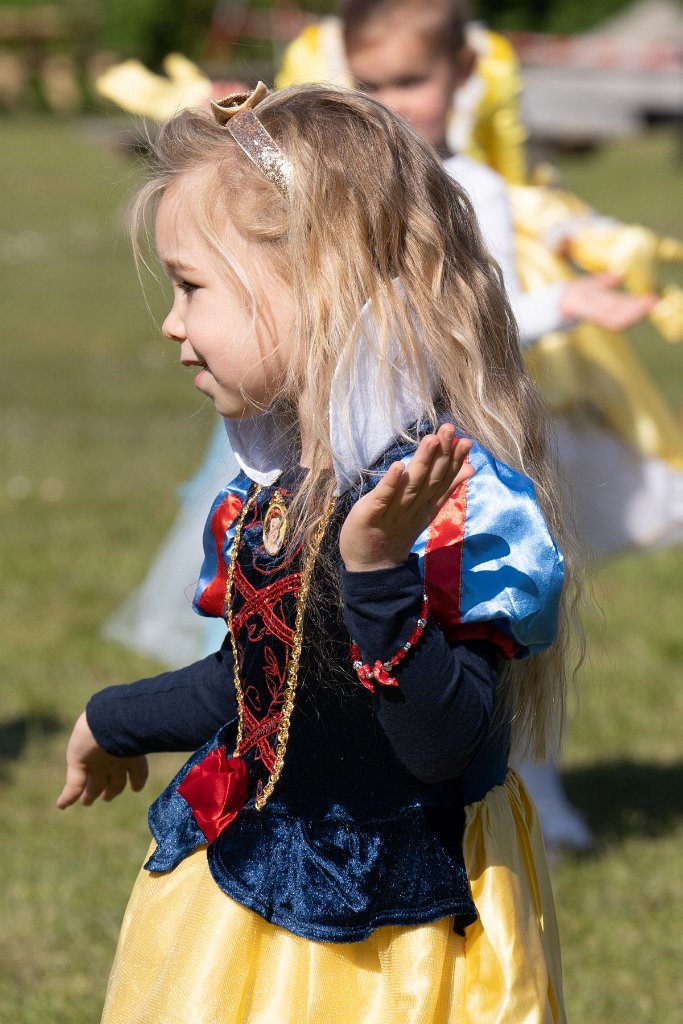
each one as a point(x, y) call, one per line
point(372, 216)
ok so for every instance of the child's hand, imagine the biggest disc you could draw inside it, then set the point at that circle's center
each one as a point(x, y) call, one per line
point(382, 527)
point(92, 772)
point(597, 299)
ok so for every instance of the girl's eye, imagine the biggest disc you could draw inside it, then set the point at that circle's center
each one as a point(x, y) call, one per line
point(411, 82)
point(187, 287)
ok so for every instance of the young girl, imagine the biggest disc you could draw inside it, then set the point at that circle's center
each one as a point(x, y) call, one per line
point(347, 843)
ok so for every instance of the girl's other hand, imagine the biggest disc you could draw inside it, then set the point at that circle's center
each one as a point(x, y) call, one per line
point(91, 772)
point(383, 525)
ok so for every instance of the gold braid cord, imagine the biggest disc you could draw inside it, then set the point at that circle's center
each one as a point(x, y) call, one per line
point(295, 654)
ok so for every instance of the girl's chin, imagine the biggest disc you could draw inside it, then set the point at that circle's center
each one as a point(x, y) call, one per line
point(228, 406)
point(232, 409)
point(201, 381)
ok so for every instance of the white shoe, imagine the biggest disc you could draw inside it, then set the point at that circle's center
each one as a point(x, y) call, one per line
point(564, 827)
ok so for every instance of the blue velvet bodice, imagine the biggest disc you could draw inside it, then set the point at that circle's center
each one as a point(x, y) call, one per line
point(349, 840)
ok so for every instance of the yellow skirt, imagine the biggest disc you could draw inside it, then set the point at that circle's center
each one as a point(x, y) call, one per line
point(189, 954)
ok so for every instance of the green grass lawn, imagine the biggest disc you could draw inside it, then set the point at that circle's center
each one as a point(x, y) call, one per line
point(99, 427)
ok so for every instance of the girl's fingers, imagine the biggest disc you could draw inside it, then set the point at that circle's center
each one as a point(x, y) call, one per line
point(420, 467)
point(138, 770)
point(386, 491)
point(463, 470)
point(116, 783)
point(73, 787)
point(95, 784)
point(87, 786)
point(436, 468)
point(435, 462)
point(459, 471)
point(465, 473)
point(447, 465)
point(447, 468)
point(428, 464)
point(443, 457)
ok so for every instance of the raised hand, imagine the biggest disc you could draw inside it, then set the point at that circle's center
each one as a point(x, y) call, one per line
point(383, 525)
point(597, 299)
point(91, 772)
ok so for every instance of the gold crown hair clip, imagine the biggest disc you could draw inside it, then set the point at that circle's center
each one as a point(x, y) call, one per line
point(235, 113)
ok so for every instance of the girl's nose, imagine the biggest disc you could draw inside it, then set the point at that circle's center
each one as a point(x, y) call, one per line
point(172, 327)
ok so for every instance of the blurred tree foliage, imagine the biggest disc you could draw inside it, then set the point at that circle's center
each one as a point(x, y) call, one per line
point(547, 15)
point(149, 29)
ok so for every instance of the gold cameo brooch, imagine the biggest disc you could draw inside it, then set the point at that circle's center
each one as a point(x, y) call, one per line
point(275, 525)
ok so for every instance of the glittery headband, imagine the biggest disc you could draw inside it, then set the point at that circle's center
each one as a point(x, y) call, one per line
point(235, 113)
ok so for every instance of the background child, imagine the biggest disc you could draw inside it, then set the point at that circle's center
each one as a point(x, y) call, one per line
point(415, 57)
point(347, 838)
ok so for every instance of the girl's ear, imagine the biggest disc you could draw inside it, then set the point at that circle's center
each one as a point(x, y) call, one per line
point(465, 60)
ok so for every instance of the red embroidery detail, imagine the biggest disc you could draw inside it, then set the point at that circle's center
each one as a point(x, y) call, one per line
point(272, 672)
point(257, 734)
point(259, 618)
point(212, 600)
point(216, 790)
point(260, 603)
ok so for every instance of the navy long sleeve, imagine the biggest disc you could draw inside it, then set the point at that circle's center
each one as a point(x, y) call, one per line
point(437, 719)
point(174, 711)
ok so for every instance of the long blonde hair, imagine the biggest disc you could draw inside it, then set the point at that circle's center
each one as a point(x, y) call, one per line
point(372, 216)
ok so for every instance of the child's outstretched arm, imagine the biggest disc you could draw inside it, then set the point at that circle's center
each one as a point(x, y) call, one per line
point(382, 527)
point(91, 772)
point(175, 711)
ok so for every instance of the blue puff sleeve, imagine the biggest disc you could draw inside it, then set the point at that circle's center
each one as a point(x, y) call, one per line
point(491, 569)
point(219, 533)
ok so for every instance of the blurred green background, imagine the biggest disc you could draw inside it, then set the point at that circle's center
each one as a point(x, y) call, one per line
point(76, 39)
point(99, 426)
point(149, 29)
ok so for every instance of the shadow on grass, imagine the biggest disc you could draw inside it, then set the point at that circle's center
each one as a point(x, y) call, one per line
point(17, 733)
point(624, 798)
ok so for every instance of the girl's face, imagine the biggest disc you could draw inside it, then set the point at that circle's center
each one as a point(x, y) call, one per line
point(240, 358)
point(399, 68)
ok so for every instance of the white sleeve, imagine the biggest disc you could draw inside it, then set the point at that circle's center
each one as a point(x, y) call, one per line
point(538, 312)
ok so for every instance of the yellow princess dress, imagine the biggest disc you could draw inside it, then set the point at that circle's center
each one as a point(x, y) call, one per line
point(314, 861)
